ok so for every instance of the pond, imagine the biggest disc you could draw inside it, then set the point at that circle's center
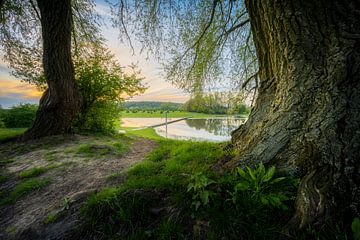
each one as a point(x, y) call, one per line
point(208, 129)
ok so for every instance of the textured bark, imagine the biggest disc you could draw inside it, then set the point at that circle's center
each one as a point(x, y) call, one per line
point(61, 101)
point(307, 115)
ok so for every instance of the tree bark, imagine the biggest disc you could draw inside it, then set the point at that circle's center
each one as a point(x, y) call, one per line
point(307, 116)
point(62, 100)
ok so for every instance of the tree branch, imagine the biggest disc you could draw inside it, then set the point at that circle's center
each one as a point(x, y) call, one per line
point(122, 6)
point(35, 9)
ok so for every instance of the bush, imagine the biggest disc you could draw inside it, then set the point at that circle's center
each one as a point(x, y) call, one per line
point(21, 116)
point(102, 84)
point(101, 117)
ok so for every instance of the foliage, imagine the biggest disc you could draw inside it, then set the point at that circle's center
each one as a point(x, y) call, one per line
point(127, 210)
point(210, 103)
point(262, 186)
point(216, 103)
point(355, 226)
point(199, 187)
point(208, 41)
point(150, 105)
point(156, 198)
point(103, 85)
point(20, 36)
point(19, 116)
point(101, 117)
point(161, 114)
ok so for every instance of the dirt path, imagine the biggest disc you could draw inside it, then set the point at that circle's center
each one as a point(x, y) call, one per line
point(77, 166)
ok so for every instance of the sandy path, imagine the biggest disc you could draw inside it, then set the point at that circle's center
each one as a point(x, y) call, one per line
point(25, 219)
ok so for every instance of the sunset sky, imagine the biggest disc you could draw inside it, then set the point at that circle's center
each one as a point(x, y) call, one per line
point(13, 91)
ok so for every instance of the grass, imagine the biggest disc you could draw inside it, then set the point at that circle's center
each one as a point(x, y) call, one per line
point(51, 218)
point(10, 133)
point(149, 133)
point(32, 172)
point(92, 150)
point(174, 114)
point(165, 170)
point(25, 188)
point(156, 202)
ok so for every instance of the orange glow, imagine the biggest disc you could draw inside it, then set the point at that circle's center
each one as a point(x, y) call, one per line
point(15, 87)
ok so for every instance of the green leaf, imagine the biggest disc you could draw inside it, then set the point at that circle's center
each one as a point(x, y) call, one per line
point(276, 180)
point(242, 173)
point(197, 205)
point(269, 174)
point(204, 196)
point(264, 200)
point(242, 186)
point(190, 187)
point(261, 169)
point(251, 173)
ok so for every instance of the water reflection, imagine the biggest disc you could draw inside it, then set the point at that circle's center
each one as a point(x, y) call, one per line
point(211, 129)
point(219, 127)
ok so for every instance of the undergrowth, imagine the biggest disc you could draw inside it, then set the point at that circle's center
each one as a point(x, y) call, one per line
point(175, 194)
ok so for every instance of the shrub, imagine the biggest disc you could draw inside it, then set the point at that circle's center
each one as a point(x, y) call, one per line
point(102, 84)
point(21, 116)
point(101, 117)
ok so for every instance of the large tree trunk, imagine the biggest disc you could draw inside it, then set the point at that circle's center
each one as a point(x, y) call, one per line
point(307, 115)
point(61, 101)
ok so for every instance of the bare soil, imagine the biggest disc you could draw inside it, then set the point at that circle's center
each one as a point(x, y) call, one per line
point(73, 175)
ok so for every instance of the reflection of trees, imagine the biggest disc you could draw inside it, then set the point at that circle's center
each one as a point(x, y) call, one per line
point(222, 127)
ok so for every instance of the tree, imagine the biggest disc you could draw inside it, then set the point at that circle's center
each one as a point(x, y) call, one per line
point(20, 42)
point(306, 117)
point(62, 100)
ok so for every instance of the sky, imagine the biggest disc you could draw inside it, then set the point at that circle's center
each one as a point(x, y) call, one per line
point(13, 91)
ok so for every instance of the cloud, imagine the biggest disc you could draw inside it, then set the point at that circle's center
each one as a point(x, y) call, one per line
point(13, 91)
point(16, 89)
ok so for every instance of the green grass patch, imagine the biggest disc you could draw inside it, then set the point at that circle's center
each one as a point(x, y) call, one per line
point(175, 194)
point(51, 218)
point(51, 156)
point(25, 188)
point(32, 172)
point(93, 150)
point(149, 133)
point(145, 187)
point(7, 134)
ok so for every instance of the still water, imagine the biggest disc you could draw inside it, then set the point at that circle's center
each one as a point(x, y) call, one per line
point(209, 129)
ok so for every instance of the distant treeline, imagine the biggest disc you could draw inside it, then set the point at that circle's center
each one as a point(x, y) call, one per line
point(169, 106)
point(217, 103)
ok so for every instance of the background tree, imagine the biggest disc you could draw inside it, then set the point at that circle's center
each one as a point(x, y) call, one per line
point(22, 23)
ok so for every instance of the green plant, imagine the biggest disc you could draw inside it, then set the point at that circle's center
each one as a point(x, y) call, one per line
point(199, 188)
point(51, 218)
point(102, 83)
point(65, 205)
point(261, 184)
point(20, 116)
point(355, 227)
